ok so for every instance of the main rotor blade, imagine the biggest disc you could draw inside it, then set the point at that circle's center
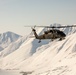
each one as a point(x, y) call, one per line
point(66, 26)
point(53, 26)
point(31, 26)
point(57, 26)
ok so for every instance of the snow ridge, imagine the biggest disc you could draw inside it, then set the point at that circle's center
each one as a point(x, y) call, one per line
point(45, 58)
point(7, 38)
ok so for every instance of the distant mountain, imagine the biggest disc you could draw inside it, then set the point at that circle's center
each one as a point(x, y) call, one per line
point(7, 38)
point(45, 58)
point(13, 46)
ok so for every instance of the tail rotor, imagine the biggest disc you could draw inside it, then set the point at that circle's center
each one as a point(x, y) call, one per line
point(33, 30)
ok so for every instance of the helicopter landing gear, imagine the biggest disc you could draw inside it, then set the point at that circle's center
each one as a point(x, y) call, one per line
point(52, 39)
point(39, 41)
point(61, 39)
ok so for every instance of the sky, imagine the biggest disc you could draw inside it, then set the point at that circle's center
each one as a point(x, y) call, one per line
point(15, 14)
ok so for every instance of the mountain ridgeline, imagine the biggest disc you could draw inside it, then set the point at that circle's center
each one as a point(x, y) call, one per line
point(7, 38)
point(45, 58)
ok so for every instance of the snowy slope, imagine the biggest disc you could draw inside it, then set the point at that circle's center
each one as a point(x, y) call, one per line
point(12, 47)
point(56, 58)
point(7, 38)
point(45, 58)
point(27, 49)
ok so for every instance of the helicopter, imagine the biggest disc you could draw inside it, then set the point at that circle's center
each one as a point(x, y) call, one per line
point(53, 33)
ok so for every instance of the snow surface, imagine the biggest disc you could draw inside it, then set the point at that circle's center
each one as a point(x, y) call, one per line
point(4, 72)
point(29, 57)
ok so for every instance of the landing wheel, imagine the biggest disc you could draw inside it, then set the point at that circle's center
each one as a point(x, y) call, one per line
point(60, 39)
point(52, 39)
point(39, 41)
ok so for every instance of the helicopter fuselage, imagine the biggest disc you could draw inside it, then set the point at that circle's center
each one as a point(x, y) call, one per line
point(50, 34)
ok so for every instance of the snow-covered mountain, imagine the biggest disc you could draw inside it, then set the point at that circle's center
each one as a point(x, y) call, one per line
point(12, 47)
point(7, 38)
point(45, 58)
